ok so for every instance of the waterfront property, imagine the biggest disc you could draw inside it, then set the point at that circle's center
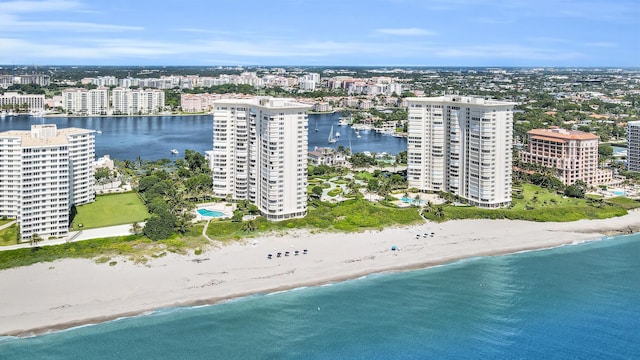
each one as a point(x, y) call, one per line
point(21, 102)
point(633, 146)
point(461, 145)
point(572, 154)
point(137, 101)
point(86, 102)
point(43, 173)
point(327, 156)
point(260, 154)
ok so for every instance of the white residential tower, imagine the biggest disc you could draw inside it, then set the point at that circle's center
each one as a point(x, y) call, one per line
point(260, 154)
point(43, 173)
point(461, 145)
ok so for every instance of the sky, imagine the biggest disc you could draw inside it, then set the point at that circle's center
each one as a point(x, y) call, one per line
point(573, 33)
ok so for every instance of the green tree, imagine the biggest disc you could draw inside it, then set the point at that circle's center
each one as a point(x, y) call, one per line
point(237, 216)
point(136, 228)
point(160, 226)
point(316, 192)
point(576, 190)
point(35, 239)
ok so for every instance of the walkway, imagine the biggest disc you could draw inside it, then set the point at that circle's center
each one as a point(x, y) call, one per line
point(7, 224)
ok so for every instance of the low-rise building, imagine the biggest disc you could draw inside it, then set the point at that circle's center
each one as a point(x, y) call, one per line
point(21, 102)
point(326, 156)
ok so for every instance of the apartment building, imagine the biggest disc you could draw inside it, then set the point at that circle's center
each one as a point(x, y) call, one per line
point(572, 154)
point(260, 154)
point(633, 146)
point(36, 79)
point(461, 145)
point(198, 102)
point(136, 101)
point(43, 173)
point(17, 101)
point(81, 101)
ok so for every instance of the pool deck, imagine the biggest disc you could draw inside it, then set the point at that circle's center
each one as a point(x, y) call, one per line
point(222, 207)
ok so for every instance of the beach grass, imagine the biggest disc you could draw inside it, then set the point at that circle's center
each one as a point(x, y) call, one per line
point(624, 202)
point(541, 205)
point(134, 248)
point(9, 235)
point(348, 216)
point(109, 210)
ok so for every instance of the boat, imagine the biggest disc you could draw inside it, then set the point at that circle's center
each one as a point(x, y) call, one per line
point(174, 151)
point(332, 140)
point(316, 125)
point(358, 134)
point(98, 131)
point(337, 134)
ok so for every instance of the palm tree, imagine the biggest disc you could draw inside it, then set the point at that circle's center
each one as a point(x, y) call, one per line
point(249, 226)
point(439, 212)
point(136, 228)
point(35, 239)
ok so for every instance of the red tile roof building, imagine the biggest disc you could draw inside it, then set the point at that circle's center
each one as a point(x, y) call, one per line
point(573, 154)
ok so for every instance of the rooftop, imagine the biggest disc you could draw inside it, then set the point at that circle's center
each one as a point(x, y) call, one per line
point(561, 134)
point(44, 135)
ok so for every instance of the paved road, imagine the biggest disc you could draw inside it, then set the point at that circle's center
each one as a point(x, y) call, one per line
point(110, 231)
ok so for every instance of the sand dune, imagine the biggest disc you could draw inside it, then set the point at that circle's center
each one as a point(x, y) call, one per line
point(65, 293)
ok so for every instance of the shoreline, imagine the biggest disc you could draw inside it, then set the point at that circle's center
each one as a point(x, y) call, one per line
point(93, 293)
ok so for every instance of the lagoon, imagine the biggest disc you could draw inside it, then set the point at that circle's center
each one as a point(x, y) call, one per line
point(153, 137)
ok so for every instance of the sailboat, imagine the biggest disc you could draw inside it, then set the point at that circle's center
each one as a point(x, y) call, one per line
point(316, 125)
point(358, 134)
point(332, 140)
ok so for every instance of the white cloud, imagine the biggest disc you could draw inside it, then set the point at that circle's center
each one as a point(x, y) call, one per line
point(13, 7)
point(602, 44)
point(406, 32)
point(12, 24)
point(507, 52)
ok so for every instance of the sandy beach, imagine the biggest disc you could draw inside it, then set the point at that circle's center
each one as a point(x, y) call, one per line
point(66, 293)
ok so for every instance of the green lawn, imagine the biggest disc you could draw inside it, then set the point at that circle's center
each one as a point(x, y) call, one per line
point(9, 236)
point(538, 204)
point(108, 210)
point(4, 221)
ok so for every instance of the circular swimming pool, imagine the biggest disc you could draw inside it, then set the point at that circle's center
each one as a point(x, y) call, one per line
point(210, 213)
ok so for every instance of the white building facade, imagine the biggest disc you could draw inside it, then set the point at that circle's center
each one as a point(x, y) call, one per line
point(633, 146)
point(86, 102)
point(461, 145)
point(26, 102)
point(260, 154)
point(137, 101)
point(43, 173)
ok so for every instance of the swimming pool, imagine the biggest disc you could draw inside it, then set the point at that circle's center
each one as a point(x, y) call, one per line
point(210, 213)
point(619, 193)
point(412, 201)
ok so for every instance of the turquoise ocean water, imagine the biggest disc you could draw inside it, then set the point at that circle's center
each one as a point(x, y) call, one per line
point(573, 302)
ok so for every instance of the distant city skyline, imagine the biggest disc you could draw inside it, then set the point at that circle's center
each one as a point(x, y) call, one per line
point(574, 33)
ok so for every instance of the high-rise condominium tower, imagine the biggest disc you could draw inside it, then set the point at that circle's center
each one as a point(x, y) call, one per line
point(633, 146)
point(43, 173)
point(461, 145)
point(260, 154)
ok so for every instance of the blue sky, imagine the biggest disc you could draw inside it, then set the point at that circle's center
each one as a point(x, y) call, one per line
point(327, 32)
